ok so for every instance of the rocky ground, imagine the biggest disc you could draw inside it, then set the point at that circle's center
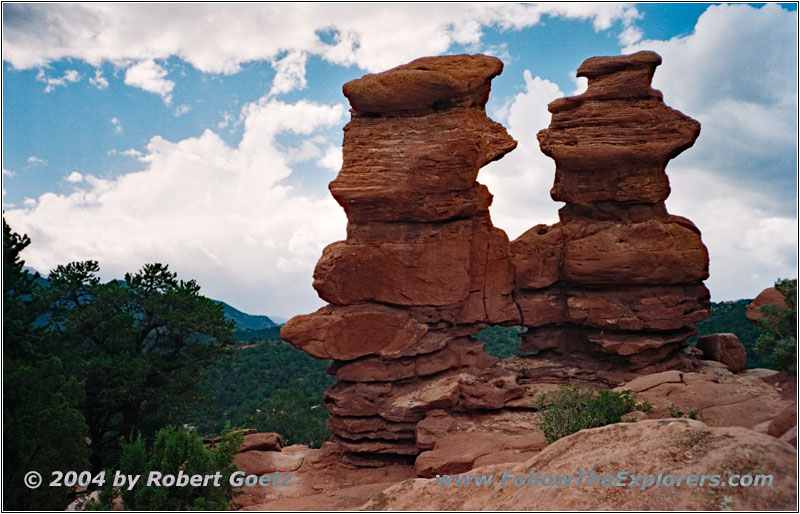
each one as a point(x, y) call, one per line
point(746, 424)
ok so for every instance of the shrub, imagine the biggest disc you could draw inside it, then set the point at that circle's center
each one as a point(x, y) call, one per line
point(175, 450)
point(578, 406)
point(676, 412)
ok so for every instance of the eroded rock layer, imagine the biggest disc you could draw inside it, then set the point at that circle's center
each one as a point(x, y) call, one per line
point(422, 268)
point(609, 292)
point(618, 279)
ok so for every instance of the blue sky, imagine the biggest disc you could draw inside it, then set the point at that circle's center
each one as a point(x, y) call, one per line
point(204, 135)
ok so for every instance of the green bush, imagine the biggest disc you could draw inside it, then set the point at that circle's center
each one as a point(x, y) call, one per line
point(176, 450)
point(676, 412)
point(579, 406)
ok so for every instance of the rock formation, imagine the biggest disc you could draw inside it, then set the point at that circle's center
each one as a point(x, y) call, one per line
point(725, 348)
point(422, 267)
point(612, 289)
point(769, 296)
point(618, 282)
point(660, 446)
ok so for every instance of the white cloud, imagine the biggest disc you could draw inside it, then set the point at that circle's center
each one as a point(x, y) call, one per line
point(52, 83)
point(135, 154)
point(117, 125)
point(308, 150)
point(332, 159)
point(749, 245)
point(214, 212)
point(521, 181)
point(28, 202)
point(7, 173)
point(150, 76)
point(98, 80)
point(218, 39)
point(630, 36)
point(74, 177)
point(181, 110)
point(737, 75)
point(36, 161)
point(227, 118)
point(290, 73)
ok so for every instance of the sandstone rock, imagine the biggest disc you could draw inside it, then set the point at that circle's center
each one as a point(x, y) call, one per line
point(666, 446)
point(654, 252)
point(537, 256)
point(262, 462)
point(434, 273)
point(616, 286)
point(611, 291)
point(719, 397)
point(371, 427)
point(459, 353)
point(457, 453)
point(262, 441)
point(783, 422)
point(504, 422)
point(347, 332)
point(422, 83)
point(769, 296)
point(724, 348)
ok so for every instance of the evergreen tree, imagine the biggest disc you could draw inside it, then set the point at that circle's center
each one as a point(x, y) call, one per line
point(140, 347)
point(43, 430)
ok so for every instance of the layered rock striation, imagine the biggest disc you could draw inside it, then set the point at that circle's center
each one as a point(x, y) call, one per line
point(611, 290)
point(618, 283)
point(422, 268)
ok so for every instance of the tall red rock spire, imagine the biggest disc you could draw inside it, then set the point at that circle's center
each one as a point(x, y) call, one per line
point(618, 279)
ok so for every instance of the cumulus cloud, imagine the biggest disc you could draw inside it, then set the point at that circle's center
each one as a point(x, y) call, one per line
point(215, 40)
point(737, 75)
point(52, 83)
point(75, 177)
point(117, 125)
point(98, 81)
point(151, 77)
point(521, 181)
point(749, 244)
point(290, 73)
point(630, 35)
point(214, 212)
point(332, 159)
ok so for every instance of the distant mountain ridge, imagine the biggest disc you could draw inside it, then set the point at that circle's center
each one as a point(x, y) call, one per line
point(244, 320)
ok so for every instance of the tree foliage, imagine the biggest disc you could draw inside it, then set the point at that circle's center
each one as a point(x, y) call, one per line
point(778, 339)
point(43, 430)
point(238, 385)
point(139, 346)
point(175, 450)
point(289, 413)
point(501, 342)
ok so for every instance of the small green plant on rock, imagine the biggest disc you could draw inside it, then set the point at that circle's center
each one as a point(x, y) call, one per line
point(579, 406)
point(676, 412)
